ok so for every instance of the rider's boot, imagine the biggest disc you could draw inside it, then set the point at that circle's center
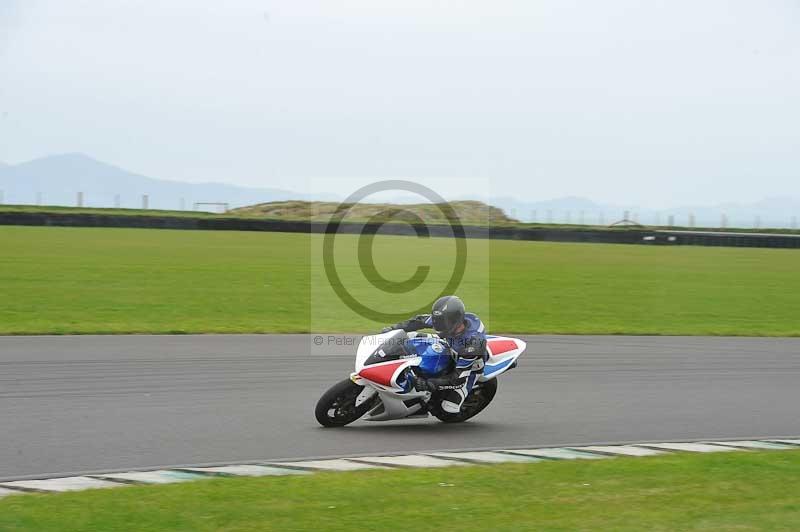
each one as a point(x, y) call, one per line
point(452, 400)
point(458, 390)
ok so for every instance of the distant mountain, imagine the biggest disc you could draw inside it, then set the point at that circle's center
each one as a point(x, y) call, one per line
point(778, 211)
point(57, 179)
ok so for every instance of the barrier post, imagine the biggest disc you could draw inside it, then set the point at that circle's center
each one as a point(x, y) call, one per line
point(79, 199)
point(145, 202)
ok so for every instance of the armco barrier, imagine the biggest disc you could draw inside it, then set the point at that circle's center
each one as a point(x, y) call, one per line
point(610, 236)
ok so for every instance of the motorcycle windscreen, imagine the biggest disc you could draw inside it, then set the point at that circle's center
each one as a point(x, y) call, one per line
point(392, 349)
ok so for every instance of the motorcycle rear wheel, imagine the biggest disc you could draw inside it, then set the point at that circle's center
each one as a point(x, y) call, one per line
point(337, 407)
point(478, 399)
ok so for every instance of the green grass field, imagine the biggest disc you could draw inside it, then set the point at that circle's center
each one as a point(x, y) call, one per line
point(717, 492)
point(86, 280)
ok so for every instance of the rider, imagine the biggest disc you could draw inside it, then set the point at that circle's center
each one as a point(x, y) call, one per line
point(464, 332)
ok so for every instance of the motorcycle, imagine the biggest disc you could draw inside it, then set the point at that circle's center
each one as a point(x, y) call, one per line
point(381, 389)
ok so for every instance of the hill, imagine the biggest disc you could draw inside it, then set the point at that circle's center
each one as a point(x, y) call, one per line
point(57, 179)
point(469, 212)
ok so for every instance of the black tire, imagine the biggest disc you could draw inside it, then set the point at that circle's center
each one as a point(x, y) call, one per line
point(341, 398)
point(478, 399)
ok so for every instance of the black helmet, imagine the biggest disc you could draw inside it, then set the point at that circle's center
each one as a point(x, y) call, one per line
point(447, 314)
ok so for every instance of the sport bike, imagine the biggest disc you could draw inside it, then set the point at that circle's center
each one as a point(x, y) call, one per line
point(381, 387)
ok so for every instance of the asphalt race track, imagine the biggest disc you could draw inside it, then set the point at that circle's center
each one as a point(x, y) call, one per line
point(91, 403)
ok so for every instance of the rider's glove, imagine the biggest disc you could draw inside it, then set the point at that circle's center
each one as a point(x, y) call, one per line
point(421, 384)
point(387, 329)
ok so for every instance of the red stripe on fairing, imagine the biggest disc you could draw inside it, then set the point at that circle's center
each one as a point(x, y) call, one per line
point(502, 346)
point(381, 374)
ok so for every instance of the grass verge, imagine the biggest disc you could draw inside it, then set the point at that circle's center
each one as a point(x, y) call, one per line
point(721, 491)
point(90, 280)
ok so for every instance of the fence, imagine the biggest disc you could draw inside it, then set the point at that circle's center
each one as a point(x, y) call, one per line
point(84, 200)
point(606, 236)
point(721, 220)
point(577, 217)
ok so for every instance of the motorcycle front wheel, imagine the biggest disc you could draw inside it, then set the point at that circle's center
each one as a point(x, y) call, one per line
point(337, 407)
point(479, 398)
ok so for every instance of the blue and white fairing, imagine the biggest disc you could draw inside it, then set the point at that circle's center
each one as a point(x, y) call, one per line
point(385, 359)
point(436, 356)
point(503, 354)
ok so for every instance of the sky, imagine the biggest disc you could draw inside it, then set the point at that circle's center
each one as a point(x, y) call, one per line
point(656, 103)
